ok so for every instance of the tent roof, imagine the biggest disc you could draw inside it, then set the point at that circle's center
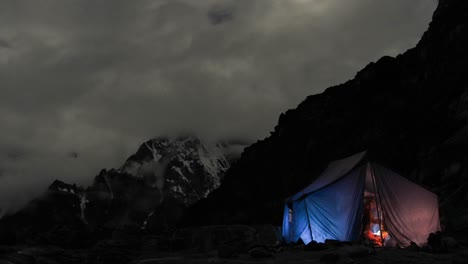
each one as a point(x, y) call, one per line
point(335, 170)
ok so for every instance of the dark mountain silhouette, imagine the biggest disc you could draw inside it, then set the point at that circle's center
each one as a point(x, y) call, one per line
point(409, 112)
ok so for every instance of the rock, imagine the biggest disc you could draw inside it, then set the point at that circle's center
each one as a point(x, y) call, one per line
point(450, 242)
point(314, 246)
point(435, 243)
point(20, 259)
point(268, 234)
point(331, 243)
point(412, 247)
point(260, 252)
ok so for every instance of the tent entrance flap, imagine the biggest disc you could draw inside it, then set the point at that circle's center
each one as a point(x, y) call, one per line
point(373, 222)
point(373, 228)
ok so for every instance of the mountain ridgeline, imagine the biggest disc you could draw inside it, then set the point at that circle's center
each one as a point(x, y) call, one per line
point(409, 112)
point(149, 193)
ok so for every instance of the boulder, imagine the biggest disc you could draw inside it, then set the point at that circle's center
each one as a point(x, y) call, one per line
point(260, 252)
point(450, 242)
point(435, 243)
point(331, 243)
point(268, 234)
point(314, 246)
point(413, 247)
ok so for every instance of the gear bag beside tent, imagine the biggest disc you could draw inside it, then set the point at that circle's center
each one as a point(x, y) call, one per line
point(355, 197)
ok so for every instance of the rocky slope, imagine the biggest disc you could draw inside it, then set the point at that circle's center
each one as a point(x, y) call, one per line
point(409, 112)
point(147, 194)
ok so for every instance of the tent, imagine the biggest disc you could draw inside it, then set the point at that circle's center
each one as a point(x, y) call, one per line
point(355, 197)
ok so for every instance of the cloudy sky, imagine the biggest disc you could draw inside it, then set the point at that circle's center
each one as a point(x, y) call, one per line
point(84, 82)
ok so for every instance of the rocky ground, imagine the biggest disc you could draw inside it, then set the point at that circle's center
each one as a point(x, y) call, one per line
point(230, 244)
point(296, 254)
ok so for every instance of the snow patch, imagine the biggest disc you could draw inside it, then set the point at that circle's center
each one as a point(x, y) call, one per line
point(156, 155)
point(179, 171)
point(214, 163)
point(145, 223)
point(187, 164)
point(109, 187)
point(66, 190)
point(177, 189)
point(83, 202)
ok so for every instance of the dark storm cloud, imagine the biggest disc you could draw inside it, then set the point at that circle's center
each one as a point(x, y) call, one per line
point(99, 77)
point(218, 15)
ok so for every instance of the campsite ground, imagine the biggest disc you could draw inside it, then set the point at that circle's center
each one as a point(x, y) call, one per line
point(297, 255)
point(233, 245)
point(294, 255)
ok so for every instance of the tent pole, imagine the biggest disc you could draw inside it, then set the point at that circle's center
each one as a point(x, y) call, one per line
point(376, 203)
point(308, 220)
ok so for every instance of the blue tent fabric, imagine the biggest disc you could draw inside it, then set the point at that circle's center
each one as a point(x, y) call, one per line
point(332, 206)
point(329, 213)
point(333, 172)
point(295, 224)
point(336, 211)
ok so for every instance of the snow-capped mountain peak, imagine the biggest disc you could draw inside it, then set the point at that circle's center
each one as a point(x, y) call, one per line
point(186, 168)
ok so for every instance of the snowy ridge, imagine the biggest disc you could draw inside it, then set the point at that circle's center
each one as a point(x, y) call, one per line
point(184, 168)
point(214, 162)
point(83, 202)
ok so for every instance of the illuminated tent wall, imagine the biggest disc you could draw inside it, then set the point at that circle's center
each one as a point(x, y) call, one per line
point(332, 206)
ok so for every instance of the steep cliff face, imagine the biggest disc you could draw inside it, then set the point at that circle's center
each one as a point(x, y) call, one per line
point(409, 112)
